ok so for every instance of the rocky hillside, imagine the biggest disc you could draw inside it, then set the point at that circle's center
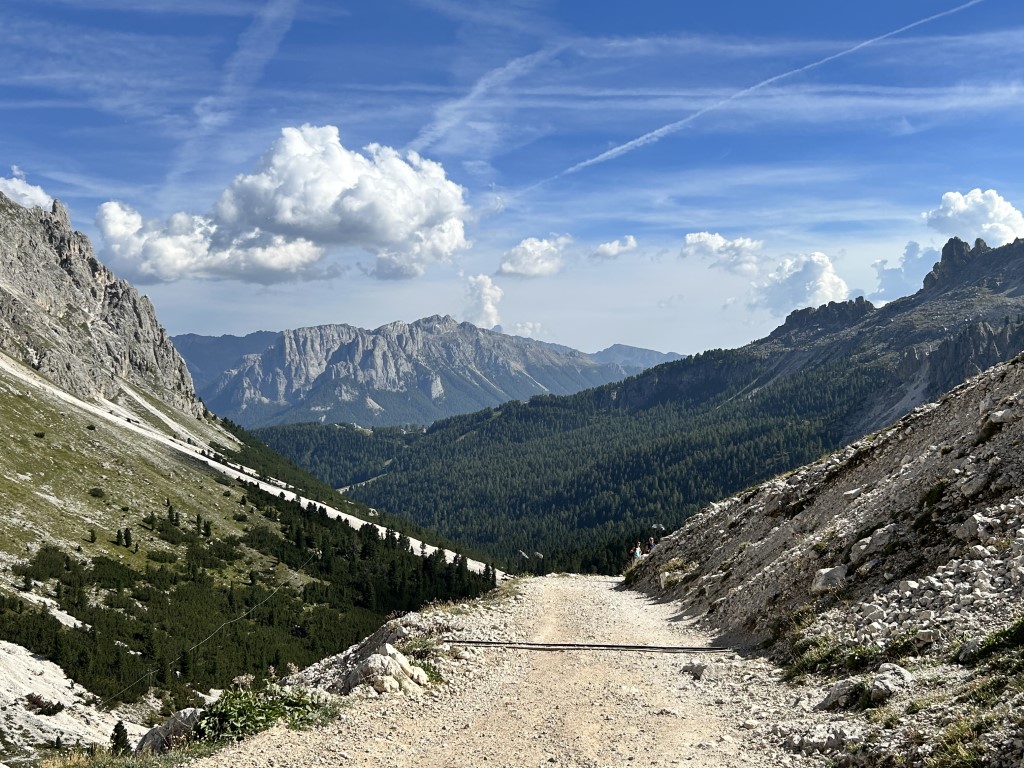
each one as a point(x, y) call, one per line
point(400, 373)
point(71, 319)
point(968, 316)
point(893, 568)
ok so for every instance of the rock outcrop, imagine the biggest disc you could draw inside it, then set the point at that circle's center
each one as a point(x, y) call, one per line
point(173, 732)
point(71, 319)
point(375, 666)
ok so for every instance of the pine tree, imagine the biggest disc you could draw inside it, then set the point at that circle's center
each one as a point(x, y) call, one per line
point(119, 740)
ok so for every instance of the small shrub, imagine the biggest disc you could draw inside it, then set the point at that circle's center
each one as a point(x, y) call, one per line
point(38, 704)
point(97, 493)
point(39, 434)
point(812, 655)
point(959, 744)
point(240, 713)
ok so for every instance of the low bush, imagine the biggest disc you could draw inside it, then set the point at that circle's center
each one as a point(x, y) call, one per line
point(240, 713)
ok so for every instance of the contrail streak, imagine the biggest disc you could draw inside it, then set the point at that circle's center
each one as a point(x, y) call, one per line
point(665, 130)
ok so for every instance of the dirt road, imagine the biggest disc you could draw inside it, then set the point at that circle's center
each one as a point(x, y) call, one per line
point(581, 709)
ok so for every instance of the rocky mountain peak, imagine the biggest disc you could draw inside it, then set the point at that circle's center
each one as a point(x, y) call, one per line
point(828, 318)
point(437, 324)
point(958, 259)
point(73, 320)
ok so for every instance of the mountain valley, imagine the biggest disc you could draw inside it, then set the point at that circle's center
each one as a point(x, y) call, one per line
point(857, 608)
point(132, 533)
point(584, 475)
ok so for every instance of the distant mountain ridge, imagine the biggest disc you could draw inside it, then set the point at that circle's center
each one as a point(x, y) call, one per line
point(400, 373)
point(635, 357)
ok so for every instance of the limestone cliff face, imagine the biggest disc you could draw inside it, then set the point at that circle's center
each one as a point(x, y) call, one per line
point(397, 374)
point(70, 318)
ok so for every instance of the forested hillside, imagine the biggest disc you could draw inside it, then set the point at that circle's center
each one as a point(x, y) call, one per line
point(577, 482)
point(574, 478)
point(148, 627)
point(147, 575)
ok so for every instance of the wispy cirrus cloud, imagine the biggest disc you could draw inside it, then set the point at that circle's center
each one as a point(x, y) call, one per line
point(515, 15)
point(257, 46)
point(674, 127)
point(475, 115)
point(176, 7)
point(145, 77)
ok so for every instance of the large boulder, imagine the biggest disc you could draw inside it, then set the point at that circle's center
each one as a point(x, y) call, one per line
point(828, 579)
point(387, 671)
point(175, 730)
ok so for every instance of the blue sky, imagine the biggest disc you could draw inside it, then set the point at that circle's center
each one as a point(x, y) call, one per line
point(678, 176)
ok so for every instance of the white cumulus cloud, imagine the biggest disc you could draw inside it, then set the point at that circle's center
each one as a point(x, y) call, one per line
point(806, 280)
point(484, 297)
point(23, 193)
point(907, 275)
point(740, 255)
point(977, 214)
point(529, 329)
point(615, 248)
point(308, 195)
point(188, 246)
point(535, 257)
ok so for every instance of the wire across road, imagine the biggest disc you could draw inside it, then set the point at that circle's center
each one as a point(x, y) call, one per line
point(526, 646)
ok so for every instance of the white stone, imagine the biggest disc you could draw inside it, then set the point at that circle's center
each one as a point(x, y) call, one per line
point(828, 579)
point(1004, 416)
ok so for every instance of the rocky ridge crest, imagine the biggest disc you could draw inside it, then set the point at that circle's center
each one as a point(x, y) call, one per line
point(71, 319)
point(399, 373)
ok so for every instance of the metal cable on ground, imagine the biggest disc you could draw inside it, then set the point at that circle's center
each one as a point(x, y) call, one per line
point(528, 646)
